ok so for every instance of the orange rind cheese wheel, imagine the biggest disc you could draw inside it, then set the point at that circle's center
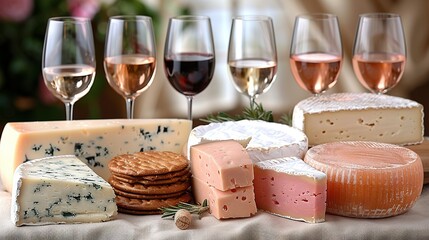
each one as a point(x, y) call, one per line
point(368, 179)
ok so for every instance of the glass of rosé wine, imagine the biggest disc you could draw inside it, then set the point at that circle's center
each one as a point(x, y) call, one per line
point(316, 52)
point(68, 61)
point(252, 55)
point(379, 51)
point(189, 55)
point(130, 57)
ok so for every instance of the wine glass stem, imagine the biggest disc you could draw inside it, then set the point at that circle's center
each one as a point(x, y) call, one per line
point(189, 98)
point(252, 101)
point(69, 111)
point(130, 107)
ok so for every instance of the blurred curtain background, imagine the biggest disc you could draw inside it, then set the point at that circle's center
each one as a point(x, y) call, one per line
point(22, 97)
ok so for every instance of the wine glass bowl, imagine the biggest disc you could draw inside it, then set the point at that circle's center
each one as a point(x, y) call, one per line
point(68, 63)
point(379, 51)
point(189, 73)
point(130, 57)
point(316, 52)
point(252, 55)
point(189, 55)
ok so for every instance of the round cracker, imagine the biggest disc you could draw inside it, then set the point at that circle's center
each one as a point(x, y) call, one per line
point(139, 212)
point(165, 176)
point(147, 163)
point(138, 188)
point(161, 181)
point(147, 196)
point(153, 204)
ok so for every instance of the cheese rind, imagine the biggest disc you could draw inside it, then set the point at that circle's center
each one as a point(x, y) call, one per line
point(234, 203)
point(290, 188)
point(359, 117)
point(268, 140)
point(223, 164)
point(368, 179)
point(95, 142)
point(60, 189)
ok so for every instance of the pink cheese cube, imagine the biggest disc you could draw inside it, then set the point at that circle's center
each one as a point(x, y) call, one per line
point(222, 164)
point(290, 188)
point(234, 203)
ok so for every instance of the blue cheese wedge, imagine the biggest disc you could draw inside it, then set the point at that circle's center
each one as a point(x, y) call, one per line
point(359, 117)
point(263, 140)
point(60, 189)
point(94, 142)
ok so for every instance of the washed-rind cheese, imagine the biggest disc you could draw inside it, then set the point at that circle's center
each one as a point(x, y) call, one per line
point(290, 188)
point(359, 117)
point(224, 165)
point(268, 140)
point(368, 179)
point(95, 142)
point(60, 189)
point(234, 203)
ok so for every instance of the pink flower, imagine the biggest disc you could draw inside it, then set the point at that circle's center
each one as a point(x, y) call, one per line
point(83, 8)
point(15, 10)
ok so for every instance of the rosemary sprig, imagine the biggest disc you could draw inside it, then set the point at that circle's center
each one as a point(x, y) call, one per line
point(286, 119)
point(169, 212)
point(257, 112)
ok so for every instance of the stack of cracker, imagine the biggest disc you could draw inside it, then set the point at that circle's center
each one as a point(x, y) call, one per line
point(146, 181)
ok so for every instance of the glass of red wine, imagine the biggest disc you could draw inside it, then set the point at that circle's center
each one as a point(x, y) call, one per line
point(130, 57)
point(189, 55)
point(379, 51)
point(316, 52)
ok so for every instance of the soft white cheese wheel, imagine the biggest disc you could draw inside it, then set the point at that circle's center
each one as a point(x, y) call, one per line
point(268, 140)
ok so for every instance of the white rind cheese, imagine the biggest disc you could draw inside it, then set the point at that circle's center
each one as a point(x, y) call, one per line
point(268, 140)
point(291, 166)
point(60, 189)
point(359, 117)
point(94, 142)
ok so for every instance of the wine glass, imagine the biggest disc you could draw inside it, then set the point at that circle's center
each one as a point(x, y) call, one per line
point(68, 60)
point(379, 51)
point(252, 55)
point(316, 52)
point(130, 57)
point(189, 55)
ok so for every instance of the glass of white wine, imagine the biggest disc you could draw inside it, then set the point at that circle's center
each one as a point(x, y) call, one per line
point(130, 57)
point(316, 52)
point(252, 55)
point(68, 61)
point(379, 51)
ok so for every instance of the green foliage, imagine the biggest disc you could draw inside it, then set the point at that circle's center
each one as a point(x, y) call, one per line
point(21, 56)
point(257, 112)
point(169, 212)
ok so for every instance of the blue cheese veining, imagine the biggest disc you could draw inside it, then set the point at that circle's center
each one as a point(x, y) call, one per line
point(60, 189)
